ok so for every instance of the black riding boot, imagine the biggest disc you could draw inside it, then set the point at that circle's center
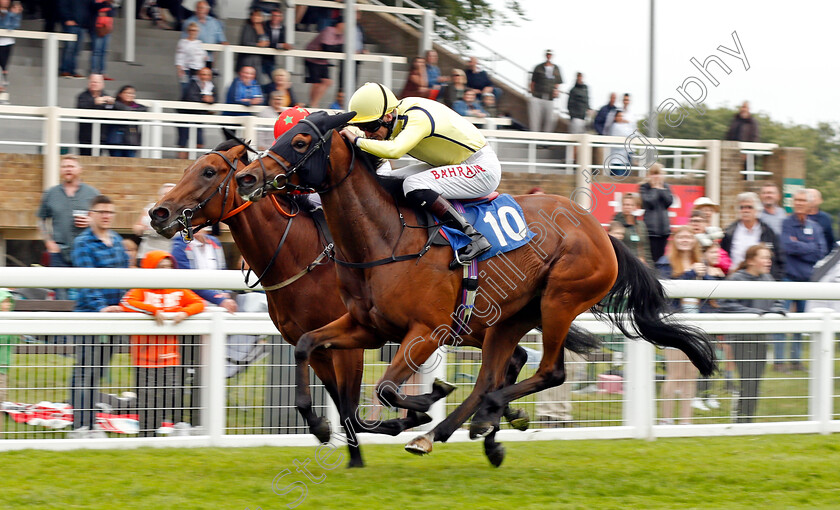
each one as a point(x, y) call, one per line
point(440, 207)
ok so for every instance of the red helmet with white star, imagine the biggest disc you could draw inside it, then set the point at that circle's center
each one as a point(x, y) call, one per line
point(288, 119)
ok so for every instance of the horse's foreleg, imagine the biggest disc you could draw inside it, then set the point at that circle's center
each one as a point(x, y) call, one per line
point(518, 418)
point(415, 349)
point(349, 368)
point(343, 333)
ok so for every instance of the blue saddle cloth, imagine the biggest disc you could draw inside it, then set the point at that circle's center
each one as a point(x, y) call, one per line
point(500, 220)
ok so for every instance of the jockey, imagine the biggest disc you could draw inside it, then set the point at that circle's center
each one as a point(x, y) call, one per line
point(455, 159)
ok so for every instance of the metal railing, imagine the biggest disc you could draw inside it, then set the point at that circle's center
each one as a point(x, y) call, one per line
point(615, 392)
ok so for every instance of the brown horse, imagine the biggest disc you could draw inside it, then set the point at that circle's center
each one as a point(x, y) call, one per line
point(568, 268)
point(304, 292)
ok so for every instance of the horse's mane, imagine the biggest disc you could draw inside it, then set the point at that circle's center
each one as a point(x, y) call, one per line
point(230, 144)
point(393, 185)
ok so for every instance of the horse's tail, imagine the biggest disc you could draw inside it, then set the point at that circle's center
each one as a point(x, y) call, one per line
point(638, 306)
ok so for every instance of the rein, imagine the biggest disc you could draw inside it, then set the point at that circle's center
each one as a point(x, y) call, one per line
point(185, 220)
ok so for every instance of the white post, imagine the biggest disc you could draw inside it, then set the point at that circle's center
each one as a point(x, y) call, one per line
point(130, 8)
point(227, 68)
point(213, 359)
point(290, 33)
point(387, 73)
point(532, 156)
point(349, 63)
point(156, 138)
point(438, 409)
point(250, 128)
point(51, 70)
point(52, 147)
point(331, 413)
point(713, 173)
point(96, 138)
point(428, 29)
point(639, 391)
point(822, 373)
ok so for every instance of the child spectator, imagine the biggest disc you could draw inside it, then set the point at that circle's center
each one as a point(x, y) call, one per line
point(7, 342)
point(156, 357)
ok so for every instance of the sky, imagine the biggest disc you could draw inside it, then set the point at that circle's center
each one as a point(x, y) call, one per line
point(790, 46)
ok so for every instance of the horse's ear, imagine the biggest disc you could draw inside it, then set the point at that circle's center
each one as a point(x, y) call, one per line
point(240, 152)
point(338, 120)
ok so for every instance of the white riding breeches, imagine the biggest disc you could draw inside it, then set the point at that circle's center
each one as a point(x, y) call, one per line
point(476, 177)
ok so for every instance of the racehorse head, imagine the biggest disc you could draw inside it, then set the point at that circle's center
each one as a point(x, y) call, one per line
point(204, 195)
point(297, 162)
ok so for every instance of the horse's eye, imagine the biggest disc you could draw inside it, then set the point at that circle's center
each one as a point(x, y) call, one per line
point(300, 144)
point(208, 172)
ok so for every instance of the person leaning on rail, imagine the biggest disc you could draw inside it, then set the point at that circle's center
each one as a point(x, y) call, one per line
point(455, 159)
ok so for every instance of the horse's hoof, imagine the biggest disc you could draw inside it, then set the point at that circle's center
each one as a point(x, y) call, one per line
point(480, 429)
point(420, 445)
point(322, 430)
point(495, 454)
point(355, 463)
point(443, 386)
point(519, 419)
point(422, 419)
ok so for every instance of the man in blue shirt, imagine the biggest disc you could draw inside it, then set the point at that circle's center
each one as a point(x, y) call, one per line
point(245, 89)
point(210, 29)
point(803, 244)
point(96, 246)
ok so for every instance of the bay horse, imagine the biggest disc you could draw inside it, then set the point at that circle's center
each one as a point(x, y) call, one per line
point(571, 266)
point(307, 296)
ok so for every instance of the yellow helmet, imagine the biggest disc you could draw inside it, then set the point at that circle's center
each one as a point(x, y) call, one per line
point(371, 102)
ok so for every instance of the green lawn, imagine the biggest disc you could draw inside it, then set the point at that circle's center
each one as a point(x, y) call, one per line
point(722, 472)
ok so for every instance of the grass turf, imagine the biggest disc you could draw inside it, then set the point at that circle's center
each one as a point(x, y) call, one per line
point(794, 471)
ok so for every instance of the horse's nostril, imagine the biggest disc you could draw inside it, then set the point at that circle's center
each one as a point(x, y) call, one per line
point(159, 213)
point(247, 179)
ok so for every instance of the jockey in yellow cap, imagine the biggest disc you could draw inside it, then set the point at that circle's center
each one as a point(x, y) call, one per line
point(456, 161)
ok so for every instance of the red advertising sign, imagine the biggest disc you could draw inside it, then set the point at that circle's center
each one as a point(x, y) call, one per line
point(609, 204)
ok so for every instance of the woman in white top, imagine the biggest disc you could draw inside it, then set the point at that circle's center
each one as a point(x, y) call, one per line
point(189, 55)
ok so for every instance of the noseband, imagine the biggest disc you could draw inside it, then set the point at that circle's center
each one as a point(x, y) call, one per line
point(185, 219)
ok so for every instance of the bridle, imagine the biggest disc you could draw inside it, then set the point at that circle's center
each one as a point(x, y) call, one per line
point(276, 184)
point(185, 219)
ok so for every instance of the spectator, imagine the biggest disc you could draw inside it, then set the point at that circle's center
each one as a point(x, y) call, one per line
point(606, 111)
point(488, 103)
point(750, 351)
point(635, 230)
point(338, 104)
point(265, 139)
point(190, 56)
point(683, 262)
point(275, 29)
point(773, 214)
point(130, 248)
point(97, 246)
point(578, 106)
point(706, 234)
point(94, 98)
point(456, 88)
point(210, 30)
point(625, 110)
point(253, 34)
point(748, 230)
point(7, 343)
point(10, 17)
point(705, 399)
point(708, 208)
point(63, 214)
point(203, 252)
point(544, 87)
point(156, 357)
point(100, 36)
point(75, 19)
point(318, 69)
point(821, 217)
point(620, 159)
point(803, 244)
point(656, 199)
point(119, 134)
point(150, 240)
point(199, 90)
point(743, 127)
point(245, 90)
point(468, 106)
point(176, 10)
point(417, 84)
point(436, 81)
point(479, 80)
point(281, 82)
